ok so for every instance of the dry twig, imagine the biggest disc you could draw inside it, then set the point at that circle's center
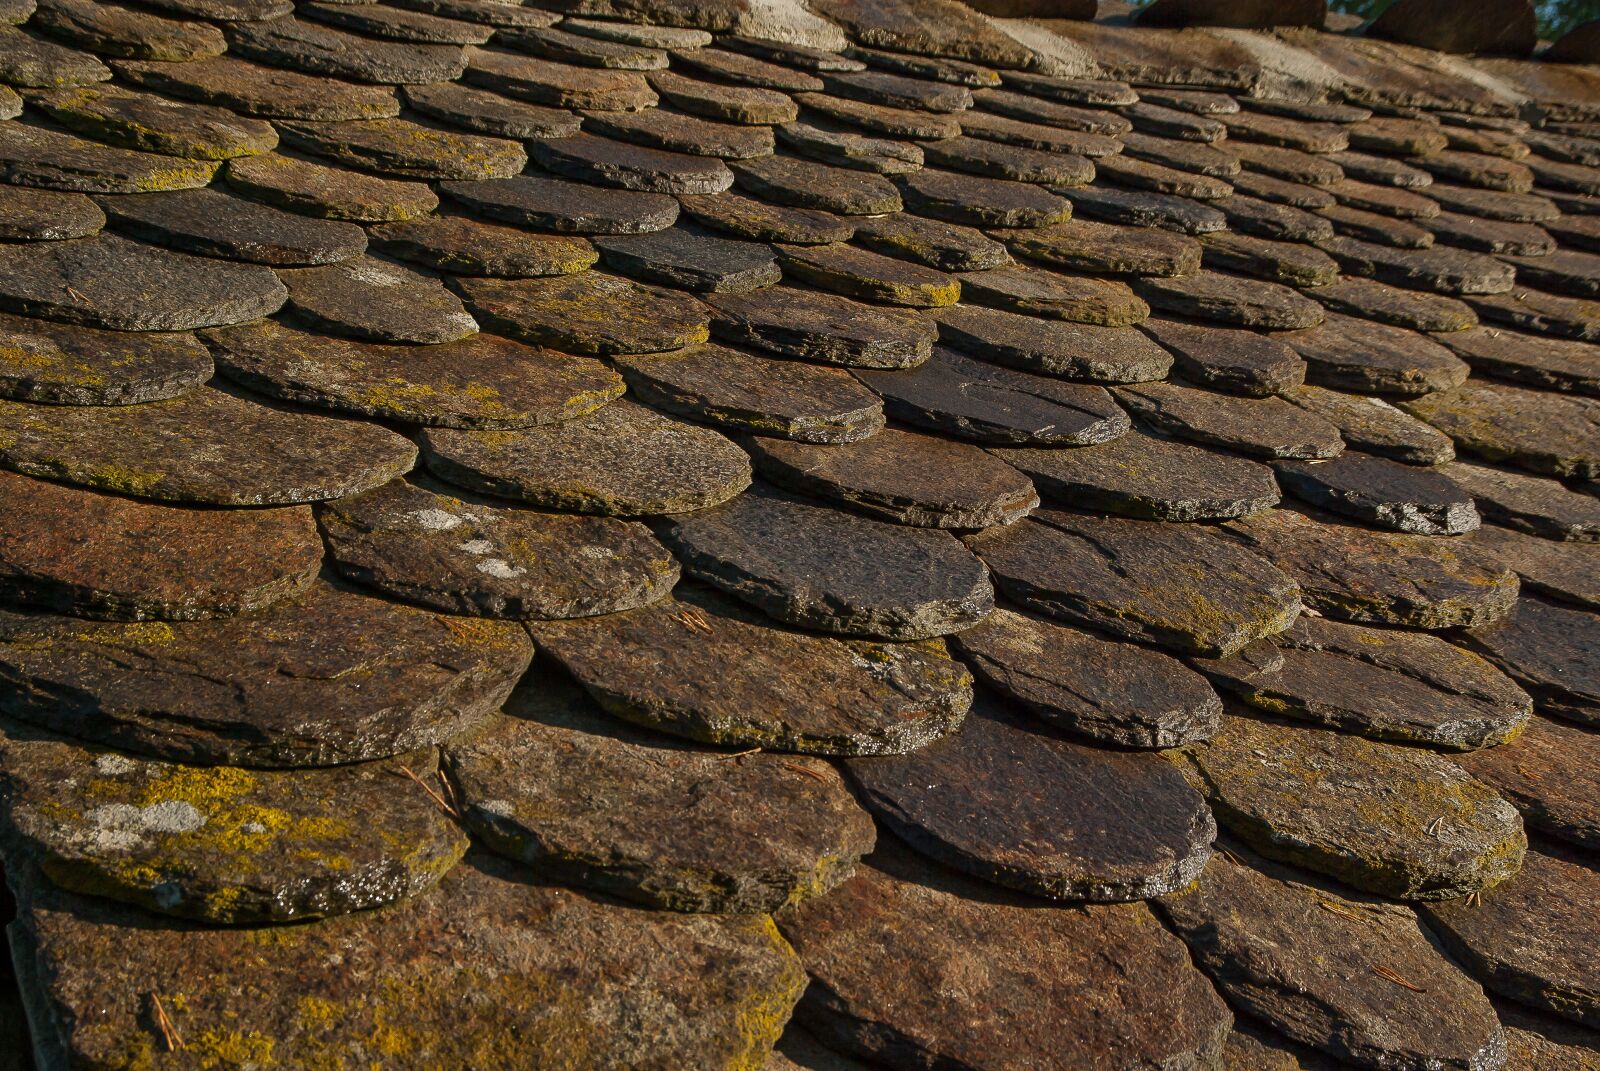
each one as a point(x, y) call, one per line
point(442, 803)
point(693, 620)
point(806, 770)
point(169, 1033)
point(1388, 974)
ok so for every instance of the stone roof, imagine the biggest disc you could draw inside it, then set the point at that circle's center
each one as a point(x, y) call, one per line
point(743, 536)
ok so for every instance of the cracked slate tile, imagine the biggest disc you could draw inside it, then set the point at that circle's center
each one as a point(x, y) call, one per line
point(786, 828)
point(824, 328)
point(605, 162)
point(1527, 937)
point(689, 258)
point(705, 989)
point(234, 560)
point(902, 476)
point(657, 128)
point(733, 104)
point(1290, 263)
point(69, 364)
point(1137, 580)
point(1551, 434)
point(540, 203)
point(557, 85)
point(1105, 982)
point(1150, 478)
point(1137, 208)
point(798, 183)
point(1549, 773)
point(483, 112)
point(588, 313)
point(398, 24)
point(1304, 958)
point(1352, 354)
point(1055, 347)
point(1230, 359)
point(1230, 300)
point(1569, 572)
point(995, 159)
point(377, 301)
point(869, 276)
point(459, 557)
point(746, 217)
point(1382, 493)
point(700, 666)
point(328, 678)
point(753, 393)
point(831, 142)
point(1268, 427)
point(1103, 248)
point(401, 148)
point(1009, 802)
point(968, 399)
point(313, 49)
point(1395, 821)
point(1532, 504)
point(1549, 649)
point(1375, 426)
point(1385, 304)
point(217, 224)
point(149, 123)
point(932, 242)
point(461, 245)
point(114, 30)
point(1384, 684)
point(27, 60)
point(33, 215)
point(480, 381)
point(314, 189)
point(1044, 293)
point(222, 844)
point(1382, 578)
point(266, 92)
point(32, 155)
point(622, 460)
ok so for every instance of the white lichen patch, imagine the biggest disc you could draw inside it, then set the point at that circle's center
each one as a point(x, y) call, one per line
point(436, 520)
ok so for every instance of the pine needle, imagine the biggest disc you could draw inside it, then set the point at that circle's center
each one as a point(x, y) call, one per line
point(1390, 975)
point(442, 803)
point(169, 1033)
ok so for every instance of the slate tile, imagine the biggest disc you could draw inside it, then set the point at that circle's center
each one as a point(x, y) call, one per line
point(691, 259)
point(1253, 1047)
point(1227, 299)
point(563, 788)
point(1544, 1043)
point(1375, 426)
point(967, 399)
point(657, 128)
point(1150, 478)
point(809, 58)
point(1566, 571)
point(1396, 136)
point(1564, 271)
point(902, 476)
point(984, 126)
point(797, 183)
point(582, 50)
point(1268, 427)
point(1172, 123)
point(746, 217)
point(1440, 269)
point(1551, 434)
point(1280, 192)
point(1103, 248)
point(1381, 578)
point(484, 112)
point(1038, 292)
point(700, 666)
point(1289, 263)
point(932, 242)
point(1142, 209)
point(821, 568)
point(1319, 965)
point(1395, 821)
point(1383, 230)
point(114, 30)
point(1492, 236)
point(1008, 802)
point(314, 189)
point(753, 393)
point(1056, 347)
point(823, 328)
point(733, 104)
point(835, 143)
point(587, 158)
point(1106, 982)
point(1382, 303)
point(233, 561)
point(622, 460)
point(868, 276)
point(1138, 580)
point(1263, 219)
point(1526, 938)
point(1313, 111)
point(1289, 164)
point(224, 10)
point(1380, 170)
point(1044, 112)
point(898, 90)
point(1541, 507)
point(557, 85)
point(313, 49)
point(1183, 155)
point(980, 202)
point(217, 224)
point(648, 36)
point(329, 678)
point(1541, 313)
point(43, 156)
point(155, 124)
point(464, 246)
point(222, 844)
point(1352, 354)
point(1554, 175)
point(927, 27)
point(10, 103)
point(740, 68)
point(398, 25)
point(589, 313)
point(27, 60)
point(1494, 204)
point(552, 204)
point(1193, 101)
point(401, 148)
point(109, 281)
point(378, 301)
point(1383, 494)
point(69, 364)
point(267, 92)
point(1133, 173)
point(1548, 773)
point(488, 12)
point(1549, 649)
point(1551, 363)
point(701, 989)
point(1098, 92)
point(1579, 232)
point(1384, 200)
point(878, 119)
point(1229, 359)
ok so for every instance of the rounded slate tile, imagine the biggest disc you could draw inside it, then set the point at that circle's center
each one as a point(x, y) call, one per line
point(1537, 312)
point(1289, 263)
point(1566, 571)
point(1551, 650)
point(754, 393)
point(747, 217)
point(118, 31)
point(750, 105)
point(1551, 434)
point(1130, 172)
point(459, 557)
point(1174, 585)
point(1086, 246)
point(370, 299)
point(1099, 983)
point(1386, 304)
point(125, 568)
point(824, 328)
point(478, 382)
point(1261, 427)
point(1386, 684)
point(979, 156)
point(700, 666)
point(877, 119)
point(1495, 204)
point(649, 36)
point(690, 258)
point(1010, 803)
point(658, 128)
point(1269, 219)
point(217, 224)
point(206, 447)
point(1492, 236)
point(1382, 578)
point(932, 242)
point(268, 92)
point(821, 568)
point(835, 143)
point(552, 204)
point(1230, 300)
point(549, 964)
point(1529, 937)
point(314, 49)
point(590, 313)
point(30, 215)
point(1148, 477)
point(903, 477)
point(1541, 1042)
point(1230, 359)
point(386, 22)
point(1371, 227)
point(558, 44)
point(150, 123)
point(1532, 504)
point(1038, 292)
point(1137, 208)
point(109, 281)
point(621, 460)
point(462, 246)
point(1552, 363)
point(314, 189)
point(1396, 821)
point(980, 202)
point(789, 180)
point(29, 60)
point(483, 112)
point(587, 158)
point(1305, 959)
point(1090, 686)
point(329, 678)
point(958, 396)
point(67, 364)
point(219, 843)
point(869, 276)
point(1375, 426)
point(558, 84)
point(1551, 773)
point(1055, 347)
point(1440, 270)
point(401, 148)
point(1382, 493)
point(562, 787)
point(1352, 354)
